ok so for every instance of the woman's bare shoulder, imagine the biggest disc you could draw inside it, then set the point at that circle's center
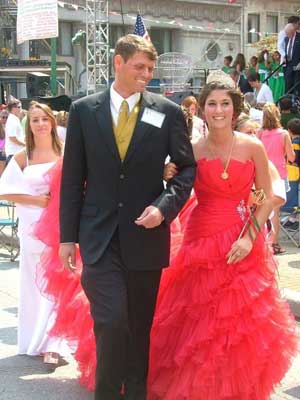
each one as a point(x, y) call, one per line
point(198, 147)
point(21, 158)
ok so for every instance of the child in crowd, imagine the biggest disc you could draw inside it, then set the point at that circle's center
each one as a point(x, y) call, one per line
point(227, 64)
point(287, 111)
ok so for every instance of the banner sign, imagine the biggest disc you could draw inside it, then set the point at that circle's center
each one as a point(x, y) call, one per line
point(37, 19)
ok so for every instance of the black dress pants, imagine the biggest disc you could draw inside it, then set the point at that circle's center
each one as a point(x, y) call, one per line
point(291, 79)
point(122, 306)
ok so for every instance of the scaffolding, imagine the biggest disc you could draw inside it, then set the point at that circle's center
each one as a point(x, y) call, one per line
point(97, 45)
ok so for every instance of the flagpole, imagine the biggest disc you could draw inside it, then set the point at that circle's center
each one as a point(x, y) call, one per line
point(122, 15)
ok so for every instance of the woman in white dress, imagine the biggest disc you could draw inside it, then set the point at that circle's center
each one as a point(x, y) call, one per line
point(24, 182)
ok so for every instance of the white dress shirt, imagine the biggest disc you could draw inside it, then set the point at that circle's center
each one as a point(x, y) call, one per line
point(281, 44)
point(116, 101)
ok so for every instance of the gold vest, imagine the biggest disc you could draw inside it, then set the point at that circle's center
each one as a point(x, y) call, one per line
point(123, 131)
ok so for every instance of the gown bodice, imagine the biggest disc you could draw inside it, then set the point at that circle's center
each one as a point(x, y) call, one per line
point(34, 177)
point(220, 203)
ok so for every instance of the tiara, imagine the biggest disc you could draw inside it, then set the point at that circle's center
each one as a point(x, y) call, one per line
point(220, 77)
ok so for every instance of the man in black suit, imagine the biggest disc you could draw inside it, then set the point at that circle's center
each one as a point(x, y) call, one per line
point(292, 51)
point(113, 202)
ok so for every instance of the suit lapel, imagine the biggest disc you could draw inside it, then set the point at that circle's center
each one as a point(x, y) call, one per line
point(104, 121)
point(141, 129)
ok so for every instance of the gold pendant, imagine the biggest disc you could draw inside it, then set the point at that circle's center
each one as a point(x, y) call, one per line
point(224, 175)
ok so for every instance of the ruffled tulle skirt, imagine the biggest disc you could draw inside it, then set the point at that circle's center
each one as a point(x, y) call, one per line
point(220, 331)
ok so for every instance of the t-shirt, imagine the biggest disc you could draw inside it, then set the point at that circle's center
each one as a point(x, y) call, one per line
point(13, 128)
point(264, 95)
point(285, 118)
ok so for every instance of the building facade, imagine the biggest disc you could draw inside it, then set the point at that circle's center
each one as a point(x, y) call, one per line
point(204, 30)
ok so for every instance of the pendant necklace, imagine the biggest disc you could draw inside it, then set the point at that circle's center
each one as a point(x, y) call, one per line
point(225, 175)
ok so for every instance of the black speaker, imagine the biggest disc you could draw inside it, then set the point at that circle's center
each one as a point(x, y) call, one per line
point(37, 84)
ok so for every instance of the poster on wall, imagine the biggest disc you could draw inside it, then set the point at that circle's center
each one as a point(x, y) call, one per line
point(37, 19)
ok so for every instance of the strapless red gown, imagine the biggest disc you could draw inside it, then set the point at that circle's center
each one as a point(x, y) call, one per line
point(220, 331)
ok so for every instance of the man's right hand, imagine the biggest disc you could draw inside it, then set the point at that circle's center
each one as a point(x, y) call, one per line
point(67, 255)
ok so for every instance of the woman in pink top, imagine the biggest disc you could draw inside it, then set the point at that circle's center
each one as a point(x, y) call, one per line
point(279, 148)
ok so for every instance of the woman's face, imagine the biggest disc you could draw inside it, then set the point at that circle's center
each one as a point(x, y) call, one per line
point(247, 128)
point(40, 123)
point(218, 110)
point(276, 56)
point(192, 109)
point(3, 118)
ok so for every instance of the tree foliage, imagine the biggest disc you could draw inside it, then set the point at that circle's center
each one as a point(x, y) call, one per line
point(269, 43)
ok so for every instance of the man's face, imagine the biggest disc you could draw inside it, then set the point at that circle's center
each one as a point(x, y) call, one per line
point(17, 109)
point(226, 62)
point(133, 75)
point(296, 25)
point(290, 33)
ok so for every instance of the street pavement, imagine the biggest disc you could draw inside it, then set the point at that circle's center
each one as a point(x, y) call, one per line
point(27, 378)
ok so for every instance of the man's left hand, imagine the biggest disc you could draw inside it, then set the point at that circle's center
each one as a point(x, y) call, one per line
point(150, 218)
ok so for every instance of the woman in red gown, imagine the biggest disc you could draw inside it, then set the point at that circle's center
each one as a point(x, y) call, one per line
point(221, 329)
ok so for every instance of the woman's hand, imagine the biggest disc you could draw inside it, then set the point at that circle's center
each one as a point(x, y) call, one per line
point(170, 171)
point(42, 200)
point(239, 250)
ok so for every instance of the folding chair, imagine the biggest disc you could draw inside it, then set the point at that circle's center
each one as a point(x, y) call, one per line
point(291, 210)
point(291, 230)
point(9, 229)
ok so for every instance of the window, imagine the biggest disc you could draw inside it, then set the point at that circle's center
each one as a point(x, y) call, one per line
point(161, 39)
point(253, 28)
point(212, 51)
point(272, 24)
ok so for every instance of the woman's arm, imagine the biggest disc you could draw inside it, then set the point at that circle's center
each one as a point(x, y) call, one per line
point(25, 199)
point(288, 146)
point(242, 247)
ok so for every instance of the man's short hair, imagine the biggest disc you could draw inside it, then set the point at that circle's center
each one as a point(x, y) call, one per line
point(229, 58)
point(293, 19)
point(13, 103)
point(130, 44)
point(285, 104)
point(253, 77)
point(294, 126)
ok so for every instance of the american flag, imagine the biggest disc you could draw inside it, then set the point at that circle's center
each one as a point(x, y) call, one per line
point(140, 28)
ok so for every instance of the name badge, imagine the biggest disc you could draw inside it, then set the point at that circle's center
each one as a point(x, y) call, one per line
point(153, 117)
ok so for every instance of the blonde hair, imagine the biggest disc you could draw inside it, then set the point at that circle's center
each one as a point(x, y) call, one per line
point(29, 138)
point(244, 119)
point(62, 118)
point(271, 117)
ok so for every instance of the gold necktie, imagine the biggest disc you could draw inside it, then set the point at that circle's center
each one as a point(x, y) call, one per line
point(124, 129)
point(123, 117)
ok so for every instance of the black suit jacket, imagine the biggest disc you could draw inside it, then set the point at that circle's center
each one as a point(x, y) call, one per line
point(296, 50)
point(244, 85)
point(100, 193)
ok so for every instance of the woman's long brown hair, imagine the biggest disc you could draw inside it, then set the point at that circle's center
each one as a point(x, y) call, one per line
point(29, 138)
